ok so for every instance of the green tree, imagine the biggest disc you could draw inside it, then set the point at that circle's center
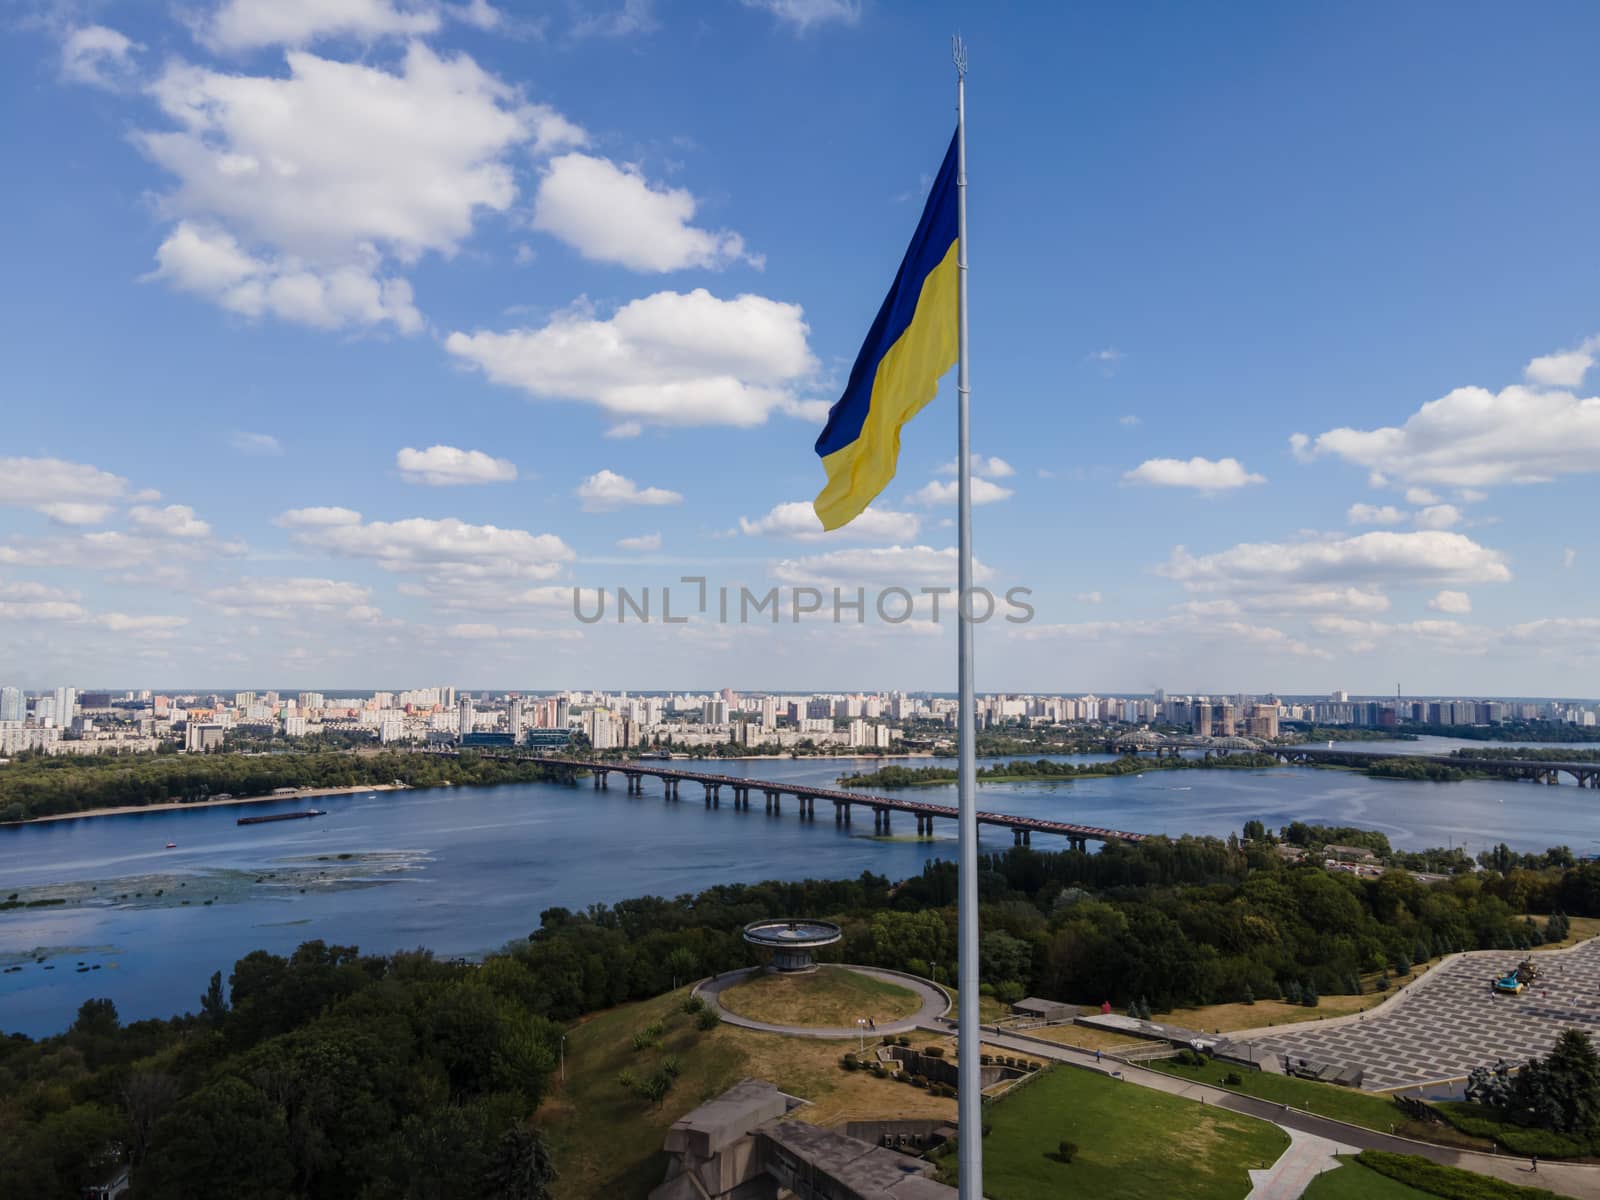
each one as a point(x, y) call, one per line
point(521, 1168)
point(227, 1139)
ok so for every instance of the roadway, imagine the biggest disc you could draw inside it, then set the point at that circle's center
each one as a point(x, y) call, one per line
point(1022, 827)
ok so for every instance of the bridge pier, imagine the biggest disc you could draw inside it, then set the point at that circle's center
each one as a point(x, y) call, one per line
point(672, 789)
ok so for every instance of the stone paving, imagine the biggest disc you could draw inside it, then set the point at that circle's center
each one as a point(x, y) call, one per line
point(1450, 1021)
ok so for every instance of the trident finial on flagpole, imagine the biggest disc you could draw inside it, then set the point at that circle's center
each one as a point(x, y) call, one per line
point(958, 54)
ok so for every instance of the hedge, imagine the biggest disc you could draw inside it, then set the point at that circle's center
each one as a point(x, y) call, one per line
point(1477, 1121)
point(1448, 1182)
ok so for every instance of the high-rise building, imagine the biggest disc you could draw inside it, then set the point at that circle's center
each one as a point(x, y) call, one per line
point(66, 705)
point(1202, 718)
point(466, 717)
point(514, 721)
point(715, 712)
point(769, 712)
point(13, 705)
point(243, 699)
point(1263, 721)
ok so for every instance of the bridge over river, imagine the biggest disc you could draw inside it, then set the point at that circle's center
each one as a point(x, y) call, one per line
point(805, 797)
point(1584, 774)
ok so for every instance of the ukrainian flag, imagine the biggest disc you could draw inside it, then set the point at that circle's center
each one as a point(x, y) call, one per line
point(911, 344)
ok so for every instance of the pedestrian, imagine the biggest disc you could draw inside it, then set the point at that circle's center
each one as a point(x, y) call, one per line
point(1097, 1056)
point(1535, 1167)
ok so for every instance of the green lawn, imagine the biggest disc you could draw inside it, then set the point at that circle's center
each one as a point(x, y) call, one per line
point(1325, 1099)
point(830, 997)
point(1354, 1182)
point(1133, 1143)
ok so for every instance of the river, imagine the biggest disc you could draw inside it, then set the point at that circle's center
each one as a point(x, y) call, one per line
point(464, 870)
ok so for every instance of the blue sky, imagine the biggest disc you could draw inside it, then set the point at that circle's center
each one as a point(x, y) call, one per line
point(614, 261)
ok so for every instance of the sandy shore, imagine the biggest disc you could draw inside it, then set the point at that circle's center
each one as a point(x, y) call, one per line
point(297, 794)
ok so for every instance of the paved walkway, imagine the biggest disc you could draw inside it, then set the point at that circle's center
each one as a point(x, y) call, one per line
point(1450, 1021)
point(935, 1003)
point(1307, 1157)
point(1569, 1179)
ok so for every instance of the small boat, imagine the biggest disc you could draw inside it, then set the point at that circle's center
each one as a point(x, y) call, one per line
point(172, 845)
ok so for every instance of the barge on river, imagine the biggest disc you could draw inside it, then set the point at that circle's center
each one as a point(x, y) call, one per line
point(294, 816)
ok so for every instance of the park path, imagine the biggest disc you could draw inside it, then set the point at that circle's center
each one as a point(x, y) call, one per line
point(1568, 1179)
point(1307, 1157)
point(935, 1003)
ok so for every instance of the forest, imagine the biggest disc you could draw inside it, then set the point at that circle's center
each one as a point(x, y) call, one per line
point(333, 1074)
point(1046, 769)
point(39, 785)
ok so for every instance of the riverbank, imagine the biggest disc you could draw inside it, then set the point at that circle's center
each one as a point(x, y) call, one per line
point(170, 806)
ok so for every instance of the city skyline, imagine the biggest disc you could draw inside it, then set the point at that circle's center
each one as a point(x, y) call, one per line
point(572, 320)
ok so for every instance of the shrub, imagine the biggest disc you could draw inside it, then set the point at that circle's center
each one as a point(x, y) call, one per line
point(877, 1069)
point(1249, 997)
point(905, 1041)
point(692, 1005)
point(920, 1081)
point(849, 1063)
point(1402, 965)
point(707, 1018)
point(671, 1067)
point(1438, 1180)
point(888, 1039)
point(933, 1051)
point(1232, 1079)
point(1478, 1121)
point(1066, 1151)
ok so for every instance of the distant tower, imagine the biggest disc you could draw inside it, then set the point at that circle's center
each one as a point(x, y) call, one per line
point(467, 717)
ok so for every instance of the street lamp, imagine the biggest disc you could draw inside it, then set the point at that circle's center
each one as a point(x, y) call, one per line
point(861, 1031)
point(563, 1058)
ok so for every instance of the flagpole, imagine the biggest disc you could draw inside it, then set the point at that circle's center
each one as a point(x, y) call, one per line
point(969, 1101)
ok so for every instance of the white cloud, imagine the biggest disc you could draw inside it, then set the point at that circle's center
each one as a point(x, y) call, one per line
point(173, 521)
point(1294, 601)
point(446, 466)
point(1203, 474)
point(1569, 556)
point(98, 56)
point(635, 16)
point(644, 542)
point(1130, 420)
point(1566, 637)
point(797, 519)
point(1089, 597)
point(479, 14)
point(1565, 369)
point(280, 599)
point(624, 429)
point(255, 443)
point(1434, 635)
point(1420, 558)
point(805, 15)
point(1108, 360)
point(1196, 629)
point(994, 468)
point(1438, 516)
point(606, 490)
point(610, 213)
point(446, 550)
point(330, 170)
point(1451, 602)
point(1471, 495)
point(483, 631)
point(210, 263)
point(1419, 495)
point(1372, 514)
point(1474, 438)
point(672, 358)
point(68, 493)
point(69, 512)
point(153, 625)
point(251, 24)
point(946, 492)
point(901, 566)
